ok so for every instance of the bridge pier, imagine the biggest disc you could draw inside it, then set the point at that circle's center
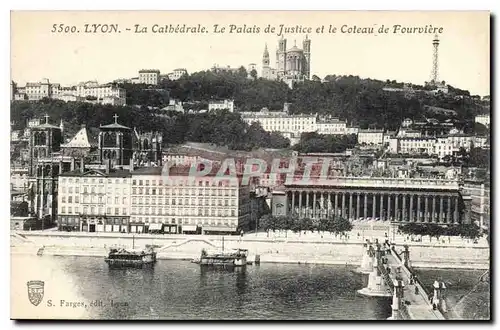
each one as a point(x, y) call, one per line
point(397, 299)
point(439, 296)
point(367, 261)
point(376, 283)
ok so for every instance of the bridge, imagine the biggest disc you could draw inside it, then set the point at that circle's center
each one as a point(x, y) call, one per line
point(389, 275)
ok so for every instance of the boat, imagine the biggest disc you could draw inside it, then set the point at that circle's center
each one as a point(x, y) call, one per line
point(123, 258)
point(232, 258)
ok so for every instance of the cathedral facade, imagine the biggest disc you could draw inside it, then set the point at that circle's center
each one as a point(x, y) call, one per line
point(292, 65)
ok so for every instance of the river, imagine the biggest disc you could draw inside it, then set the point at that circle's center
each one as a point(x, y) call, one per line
point(84, 287)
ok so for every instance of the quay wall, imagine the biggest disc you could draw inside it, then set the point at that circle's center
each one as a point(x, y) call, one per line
point(280, 250)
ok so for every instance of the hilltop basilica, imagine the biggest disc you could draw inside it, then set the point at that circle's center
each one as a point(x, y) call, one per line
point(292, 65)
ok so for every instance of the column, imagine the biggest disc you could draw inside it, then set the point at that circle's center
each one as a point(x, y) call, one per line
point(300, 203)
point(403, 210)
point(365, 208)
point(342, 212)
point(329, 204)
point(396, 207)
point(426, 215)
point(314, 204)
point(350, 206)
point(358, 201)
point(455, 214)
point(307, 204)
point(389, 207)
point(441, 211)
point(411, 209)
point(293, 201)
point(418, 208)
point(433, 217)
point(448, 215)
point(336, 203)
point(374, 206)
point(381, 206)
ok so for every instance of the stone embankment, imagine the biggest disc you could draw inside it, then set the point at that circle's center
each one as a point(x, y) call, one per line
point(273, 247)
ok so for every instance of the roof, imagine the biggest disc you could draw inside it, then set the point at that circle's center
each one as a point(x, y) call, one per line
point(80, 140)
point(113, 173)
point(46, 126)
point(295, 49)
point(174, 171)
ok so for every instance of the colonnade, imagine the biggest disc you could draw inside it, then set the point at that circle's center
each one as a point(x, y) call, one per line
point(439, 207)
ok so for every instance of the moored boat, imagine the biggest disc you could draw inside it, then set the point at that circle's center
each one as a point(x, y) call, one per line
point(130, 258)
point(231, 258)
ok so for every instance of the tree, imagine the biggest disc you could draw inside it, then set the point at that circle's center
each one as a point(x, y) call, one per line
point(267, 222)
point(19, 209)
point(253, 74)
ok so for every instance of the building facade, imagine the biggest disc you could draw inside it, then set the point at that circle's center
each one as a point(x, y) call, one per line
point(483, 119)
point(94, 200)
point(371, 137)
point(149, 77)
point(292, 65)
point(394, 200)
point(221, 105)
point(333, 126)
point(142, 199)
point(177, 73)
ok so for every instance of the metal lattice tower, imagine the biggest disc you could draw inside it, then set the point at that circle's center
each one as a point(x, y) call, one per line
point(435, 62)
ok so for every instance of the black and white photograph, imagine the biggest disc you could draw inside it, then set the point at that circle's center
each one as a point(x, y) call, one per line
point(250, 165)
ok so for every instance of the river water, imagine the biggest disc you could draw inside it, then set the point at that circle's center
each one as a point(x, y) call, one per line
point(84, 287)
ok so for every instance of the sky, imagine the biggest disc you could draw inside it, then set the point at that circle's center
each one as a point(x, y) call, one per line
point(68, 58)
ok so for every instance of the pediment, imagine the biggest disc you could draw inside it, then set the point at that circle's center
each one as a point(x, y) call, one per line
point(94, 173)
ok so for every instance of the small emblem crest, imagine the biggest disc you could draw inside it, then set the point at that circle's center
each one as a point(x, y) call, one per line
point(35, 292)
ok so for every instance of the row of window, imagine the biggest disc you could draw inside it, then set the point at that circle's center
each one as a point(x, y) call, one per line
point(93, 190)
point(168, 201)
point(92, 180)
point(76, 220)
point(181, 182)
point(199, 211)
point(182, 192)
point(93, 199)
point(93, 210)
point(185, 221)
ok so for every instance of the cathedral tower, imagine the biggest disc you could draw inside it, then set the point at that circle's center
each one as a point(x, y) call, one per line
point(265, 64)
point(306, 46)
point(281, 57)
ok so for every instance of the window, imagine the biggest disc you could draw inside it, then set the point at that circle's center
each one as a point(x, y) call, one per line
point(63, 200)
point(77, 189)
point(77, 209)
point(124, 200)
point(124, 211)
point(134, 182)
point(63, 209)
point(116, 200)
point(116, 211)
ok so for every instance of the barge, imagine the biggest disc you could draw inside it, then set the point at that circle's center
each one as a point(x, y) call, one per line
point(122, 258)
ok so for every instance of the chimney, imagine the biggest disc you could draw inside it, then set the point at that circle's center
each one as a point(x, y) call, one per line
point(131, 165)
point(82, 165)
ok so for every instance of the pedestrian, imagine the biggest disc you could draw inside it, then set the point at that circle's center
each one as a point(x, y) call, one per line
point(416, 289)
